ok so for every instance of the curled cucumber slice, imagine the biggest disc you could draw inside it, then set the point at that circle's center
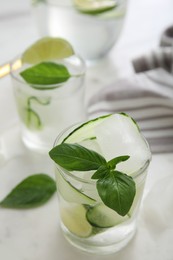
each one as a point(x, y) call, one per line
point(85, 131)
point(32, 119)
point(70, 193)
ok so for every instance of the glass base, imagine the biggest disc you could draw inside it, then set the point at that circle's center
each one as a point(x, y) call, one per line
point(99, 245)
point(35, 145)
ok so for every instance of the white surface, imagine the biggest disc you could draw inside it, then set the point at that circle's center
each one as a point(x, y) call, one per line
point(34, 234)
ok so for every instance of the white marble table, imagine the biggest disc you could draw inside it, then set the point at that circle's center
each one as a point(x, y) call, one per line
point(35, 234)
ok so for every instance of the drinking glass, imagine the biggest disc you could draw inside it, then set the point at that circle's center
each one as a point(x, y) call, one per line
point(86, 222)
point(46, 112)
point(91, 34)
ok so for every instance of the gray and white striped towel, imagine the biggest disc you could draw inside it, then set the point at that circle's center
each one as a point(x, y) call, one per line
point(148, 98)
point(162, 57)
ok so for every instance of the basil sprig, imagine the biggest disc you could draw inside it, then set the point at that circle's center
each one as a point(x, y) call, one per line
point(33, 191)
point(116, 189)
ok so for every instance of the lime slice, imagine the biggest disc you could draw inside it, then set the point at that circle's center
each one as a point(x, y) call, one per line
point(95, 6)
point(74, 218)
point(47, 48)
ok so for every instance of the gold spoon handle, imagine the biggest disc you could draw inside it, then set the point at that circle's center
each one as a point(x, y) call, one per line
point(6, 68)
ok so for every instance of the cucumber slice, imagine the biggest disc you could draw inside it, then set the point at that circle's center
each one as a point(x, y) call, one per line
point(70, 193)
point(103, 217)
point(85, 131)
point(30, 117)
point(74, 218)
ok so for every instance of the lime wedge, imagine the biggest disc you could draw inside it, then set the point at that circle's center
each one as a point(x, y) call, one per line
point(47, 48)
point(95, 6)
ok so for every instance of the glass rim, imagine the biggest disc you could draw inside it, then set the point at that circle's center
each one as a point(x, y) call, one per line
point(64, 172)
point(52, 86)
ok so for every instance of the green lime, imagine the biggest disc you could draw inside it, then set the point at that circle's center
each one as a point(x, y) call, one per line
point(47, 48)
point(95, 6)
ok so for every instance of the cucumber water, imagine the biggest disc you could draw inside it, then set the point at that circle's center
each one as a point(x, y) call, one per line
point(45, 110)
point(87, 222)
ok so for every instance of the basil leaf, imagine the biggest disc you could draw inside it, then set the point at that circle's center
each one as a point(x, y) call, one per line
point(101, 172)
point(33, 191)
point(117, 191)
point(46, 73)
point(74, 157)
point(112, 163)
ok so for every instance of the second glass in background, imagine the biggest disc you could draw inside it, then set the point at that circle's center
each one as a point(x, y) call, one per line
point(92, 33)
point(46, 112)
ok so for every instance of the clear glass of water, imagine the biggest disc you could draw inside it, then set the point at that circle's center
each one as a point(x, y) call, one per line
point(46, 112)
point(92, 34)
point(87, 223)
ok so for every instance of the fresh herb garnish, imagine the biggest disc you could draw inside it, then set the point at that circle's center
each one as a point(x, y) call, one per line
point(33, 191)
point(116, 189)
point(74, 157)
point(45, 73)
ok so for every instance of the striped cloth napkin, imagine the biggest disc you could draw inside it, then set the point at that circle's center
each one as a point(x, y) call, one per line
point(147, 96)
